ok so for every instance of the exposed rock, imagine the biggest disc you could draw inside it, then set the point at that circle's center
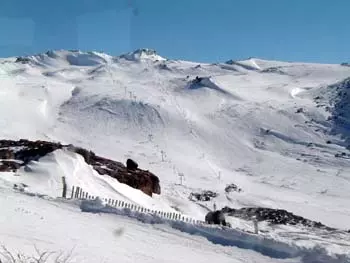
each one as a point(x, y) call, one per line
point(300, 110)
point(20, 187)
point(5, 154)
point(14, 154)
point(9, 166)
point(216, 217)
point(197, 80)
point(340, 155)
point(164, 66)
point(131, 164)
point(25, 150)
point(203, 196)
point(22, 60)
point(275, 70)
point(232, 188)
point(273, 216)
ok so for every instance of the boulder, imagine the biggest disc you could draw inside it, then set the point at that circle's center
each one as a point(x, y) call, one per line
point(216, 218)
point(232, 188)
point(131, 164)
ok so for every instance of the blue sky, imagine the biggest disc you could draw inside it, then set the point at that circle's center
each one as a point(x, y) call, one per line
point(199, 30)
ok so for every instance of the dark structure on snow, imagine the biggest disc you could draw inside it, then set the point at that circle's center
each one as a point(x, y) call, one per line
point(216, 218)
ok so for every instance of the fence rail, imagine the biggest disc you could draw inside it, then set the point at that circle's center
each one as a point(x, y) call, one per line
point(79, 193)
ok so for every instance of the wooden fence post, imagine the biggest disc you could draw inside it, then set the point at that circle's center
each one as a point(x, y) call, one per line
point(64, 191)
point(77, 192)
point(256, 229)
point(72, 194)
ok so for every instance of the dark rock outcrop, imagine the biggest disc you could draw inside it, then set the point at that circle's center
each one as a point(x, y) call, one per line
point(203, 196)
point(9, 166)
point(335, 100)
point(131, 164)
point(216, 218)
point(23, 60)
point(14, 154)
point(276, 70)
point(273, 216)
point(232, 188)
point(25, 150)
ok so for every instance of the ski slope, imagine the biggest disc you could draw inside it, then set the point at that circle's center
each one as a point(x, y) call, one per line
point(254, 123)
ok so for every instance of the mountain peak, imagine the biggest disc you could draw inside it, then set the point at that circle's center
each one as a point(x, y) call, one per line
point(142, 54)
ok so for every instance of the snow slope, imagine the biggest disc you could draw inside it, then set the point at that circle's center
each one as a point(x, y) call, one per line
point(255, 123)
point(101, 238)
point(106, 237)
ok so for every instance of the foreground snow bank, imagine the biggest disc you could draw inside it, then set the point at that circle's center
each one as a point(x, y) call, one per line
point(224, 236)
point(58, 225)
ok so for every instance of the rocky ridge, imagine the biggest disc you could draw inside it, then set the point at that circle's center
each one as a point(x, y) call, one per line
point(15, 154)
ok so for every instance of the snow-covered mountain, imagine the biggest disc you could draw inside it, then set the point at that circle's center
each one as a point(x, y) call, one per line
point(277, 130)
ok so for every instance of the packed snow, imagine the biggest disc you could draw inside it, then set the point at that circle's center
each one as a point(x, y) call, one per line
point(197, 126)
